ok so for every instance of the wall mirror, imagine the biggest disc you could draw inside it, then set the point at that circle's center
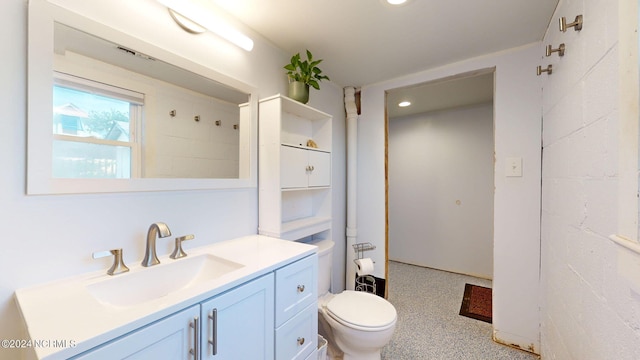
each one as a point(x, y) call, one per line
point(108, 112)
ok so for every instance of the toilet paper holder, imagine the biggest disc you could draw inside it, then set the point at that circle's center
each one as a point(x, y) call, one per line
point(366, 283)
point(360, 248)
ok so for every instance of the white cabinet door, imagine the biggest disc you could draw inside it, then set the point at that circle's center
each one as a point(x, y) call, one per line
point(170, 338)
point(320, 163)
point(239, 323)
point(293, 167)
point(301, 168)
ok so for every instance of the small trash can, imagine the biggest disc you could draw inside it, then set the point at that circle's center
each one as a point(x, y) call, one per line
point(322, 348)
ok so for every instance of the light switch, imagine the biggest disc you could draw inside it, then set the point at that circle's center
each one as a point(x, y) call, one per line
point(514, 166)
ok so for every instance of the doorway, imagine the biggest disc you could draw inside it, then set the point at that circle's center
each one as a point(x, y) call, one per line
point(440, 174)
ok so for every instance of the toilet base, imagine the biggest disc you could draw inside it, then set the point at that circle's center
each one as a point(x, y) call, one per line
point(370, 356)
point(358, 345)
point(348, 357)
point(343, 356)
point(333, 352)
point(362, 354)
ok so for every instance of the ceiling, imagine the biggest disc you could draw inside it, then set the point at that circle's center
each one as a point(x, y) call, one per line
point(456, 91)
point(364, 42)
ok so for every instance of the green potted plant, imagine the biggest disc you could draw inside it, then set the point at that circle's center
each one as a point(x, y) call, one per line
point(302, 74)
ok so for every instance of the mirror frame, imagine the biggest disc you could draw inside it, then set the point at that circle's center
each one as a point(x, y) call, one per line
point(41, 18)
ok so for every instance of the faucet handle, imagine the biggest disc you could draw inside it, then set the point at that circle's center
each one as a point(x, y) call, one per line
point(118, 266)
point(177, 251)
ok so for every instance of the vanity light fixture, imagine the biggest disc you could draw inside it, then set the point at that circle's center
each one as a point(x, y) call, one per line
point(396, 2)
point(196, 17)
point(404, 103)
point(186, 24)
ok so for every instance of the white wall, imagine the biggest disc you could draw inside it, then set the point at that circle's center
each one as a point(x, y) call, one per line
point(441, 190)
point(517, 106)
point(590, 285)
point(184, 147)
point(50, 237)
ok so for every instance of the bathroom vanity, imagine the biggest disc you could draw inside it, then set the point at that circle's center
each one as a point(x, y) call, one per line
point(253, 297)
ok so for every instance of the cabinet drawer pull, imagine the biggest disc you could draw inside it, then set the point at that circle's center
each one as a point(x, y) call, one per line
point(196, 338)
point(300, 288)
point(300, 341)
point(214, 331)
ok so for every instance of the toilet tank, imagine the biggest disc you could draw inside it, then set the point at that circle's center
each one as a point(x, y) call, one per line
point(325, 263)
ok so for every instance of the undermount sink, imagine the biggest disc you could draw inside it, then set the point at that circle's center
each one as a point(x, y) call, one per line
point(146, 284)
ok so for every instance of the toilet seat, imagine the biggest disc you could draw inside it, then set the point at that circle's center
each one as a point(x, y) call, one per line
point(361, 311)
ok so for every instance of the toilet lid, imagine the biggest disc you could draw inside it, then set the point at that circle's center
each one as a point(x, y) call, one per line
point(361, 309)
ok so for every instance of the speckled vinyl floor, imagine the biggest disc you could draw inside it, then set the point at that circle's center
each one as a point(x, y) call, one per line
point(429, 327)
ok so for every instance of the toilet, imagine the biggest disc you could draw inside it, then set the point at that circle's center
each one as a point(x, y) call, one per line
point(356, 324)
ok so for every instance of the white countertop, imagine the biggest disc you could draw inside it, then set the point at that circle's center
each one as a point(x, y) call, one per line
point(65, 311)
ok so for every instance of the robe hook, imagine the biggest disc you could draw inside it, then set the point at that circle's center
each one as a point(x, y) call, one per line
point(559, 50)
point(577, 24)
point(548, 70)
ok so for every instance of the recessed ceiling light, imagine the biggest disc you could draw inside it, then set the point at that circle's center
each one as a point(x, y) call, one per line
point(404, 103)
point(395, 3)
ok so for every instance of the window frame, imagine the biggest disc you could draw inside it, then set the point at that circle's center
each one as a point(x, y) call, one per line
point(136, 113)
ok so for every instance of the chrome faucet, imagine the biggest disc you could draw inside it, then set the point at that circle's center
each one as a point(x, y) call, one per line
point(158, 229)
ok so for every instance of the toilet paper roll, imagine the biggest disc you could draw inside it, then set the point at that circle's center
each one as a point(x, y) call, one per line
point(364, 266)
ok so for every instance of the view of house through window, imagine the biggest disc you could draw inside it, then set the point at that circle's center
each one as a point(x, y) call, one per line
point(94, 129)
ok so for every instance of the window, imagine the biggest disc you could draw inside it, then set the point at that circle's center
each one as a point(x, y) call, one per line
point(94, 129)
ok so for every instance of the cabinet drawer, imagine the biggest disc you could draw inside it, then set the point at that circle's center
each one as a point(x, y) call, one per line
point(296, 288)
point(298, 337)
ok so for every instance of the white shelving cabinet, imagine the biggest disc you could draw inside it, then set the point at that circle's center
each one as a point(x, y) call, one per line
point(294, 179)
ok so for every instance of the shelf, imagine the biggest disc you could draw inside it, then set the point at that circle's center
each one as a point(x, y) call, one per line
point(301, 228)
point(296, 229)
point(310, 188)
point(306, 147)
point(297, 108)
